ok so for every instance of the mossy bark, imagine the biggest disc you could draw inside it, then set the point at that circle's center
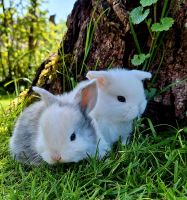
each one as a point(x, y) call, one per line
point(110, 43)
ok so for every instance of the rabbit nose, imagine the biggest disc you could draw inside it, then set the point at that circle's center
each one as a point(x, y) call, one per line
point(56, 157)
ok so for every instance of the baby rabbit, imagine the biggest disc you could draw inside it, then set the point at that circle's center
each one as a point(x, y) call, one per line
point(57, 128)
point(120, 99)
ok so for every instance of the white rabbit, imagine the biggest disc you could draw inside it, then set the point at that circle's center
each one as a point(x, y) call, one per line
point(57, 128)
point(120, 99)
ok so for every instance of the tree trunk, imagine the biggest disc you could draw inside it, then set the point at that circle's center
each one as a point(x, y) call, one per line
point(105, 23)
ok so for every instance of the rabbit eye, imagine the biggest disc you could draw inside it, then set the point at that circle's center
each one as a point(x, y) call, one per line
point(121, 99)
point(73, 136)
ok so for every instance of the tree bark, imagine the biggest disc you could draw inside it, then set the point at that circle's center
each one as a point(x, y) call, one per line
point(111, 44)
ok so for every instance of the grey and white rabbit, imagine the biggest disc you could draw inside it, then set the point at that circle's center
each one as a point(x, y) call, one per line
point(120, 100)
point(57, 128)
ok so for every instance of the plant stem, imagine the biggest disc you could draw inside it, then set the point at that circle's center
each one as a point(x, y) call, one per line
point(155, 7)
point(152, 48)
point(164, 8)
point(134, 37)
point(149, 29)
point(158, 69)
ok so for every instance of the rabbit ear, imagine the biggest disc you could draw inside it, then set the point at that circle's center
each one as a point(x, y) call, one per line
point(100, 76)
point(46, 96)
point(141, 75)
point(87, 96)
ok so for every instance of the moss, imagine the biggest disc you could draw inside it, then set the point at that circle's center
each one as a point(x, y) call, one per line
point(66, 60)
point(49, 72)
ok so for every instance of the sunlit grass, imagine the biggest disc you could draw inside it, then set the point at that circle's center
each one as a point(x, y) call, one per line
point(5, 101)
point(152, 166)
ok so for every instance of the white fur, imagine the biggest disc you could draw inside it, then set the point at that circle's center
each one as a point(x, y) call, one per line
point(56, 126)
point(44, 129)
point(114, 118)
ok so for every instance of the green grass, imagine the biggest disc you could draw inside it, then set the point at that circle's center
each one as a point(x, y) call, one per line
point(5, 101)
point(152, 166)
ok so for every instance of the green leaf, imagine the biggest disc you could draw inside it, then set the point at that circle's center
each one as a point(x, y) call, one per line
point(150, 93)
point(139, 59)
point(164, 25)
point(145, 3)
point(185, 129)
point(137, 15)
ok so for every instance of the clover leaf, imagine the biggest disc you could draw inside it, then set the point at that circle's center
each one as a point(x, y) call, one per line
point(164, 25)
point(150, 93)
point(145, 3)
point(139, 59)
point(137, 15)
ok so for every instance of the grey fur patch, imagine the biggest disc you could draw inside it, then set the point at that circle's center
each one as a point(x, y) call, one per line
point(22, 144)
point(24, 135)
